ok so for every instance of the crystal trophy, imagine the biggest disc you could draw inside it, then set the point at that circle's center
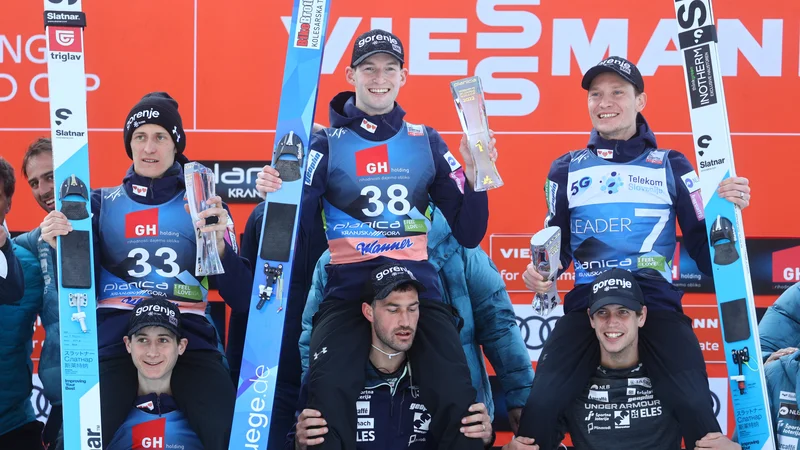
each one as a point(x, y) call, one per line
point(471, 107)
point(199, 188)
point(546, 253)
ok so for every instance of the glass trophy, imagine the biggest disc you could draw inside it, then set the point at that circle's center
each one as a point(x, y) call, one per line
point(199, 188)
point(471, 107)
point(546, 253)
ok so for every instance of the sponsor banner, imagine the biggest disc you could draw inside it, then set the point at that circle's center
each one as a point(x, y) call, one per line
point(511, 253)
point(774, 267)
point(706, 325)
point(236, 180)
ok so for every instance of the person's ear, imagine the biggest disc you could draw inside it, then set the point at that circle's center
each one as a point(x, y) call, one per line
point(127, 342)
point(182, 343)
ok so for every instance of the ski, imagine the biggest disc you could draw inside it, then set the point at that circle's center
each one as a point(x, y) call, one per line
point(256, 392)
point(80, 387)
point(697, 44)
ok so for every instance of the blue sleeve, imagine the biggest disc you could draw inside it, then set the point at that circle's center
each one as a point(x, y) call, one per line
point(693, 229)
point(311, 240)
point(496, 328)
point(235, 285)
point(467, 213)
point(780, 326)
point(12, 279)
point(555, 190)
point(318, 282)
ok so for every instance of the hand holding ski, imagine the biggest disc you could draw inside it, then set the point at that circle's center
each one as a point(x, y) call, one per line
point(55, 224)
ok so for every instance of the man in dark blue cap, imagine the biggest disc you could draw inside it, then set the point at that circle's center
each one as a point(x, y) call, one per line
point(617, 202)
point(618, 408)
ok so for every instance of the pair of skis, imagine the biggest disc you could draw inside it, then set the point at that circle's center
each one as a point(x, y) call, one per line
point(697, 44)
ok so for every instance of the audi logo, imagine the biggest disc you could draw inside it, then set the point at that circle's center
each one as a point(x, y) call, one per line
point(40, 404)
point(536, 329)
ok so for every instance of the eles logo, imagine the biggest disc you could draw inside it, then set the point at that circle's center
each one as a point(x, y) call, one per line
point(149, 434)
point(141, 224)
point(63, 39)
point(372, 161)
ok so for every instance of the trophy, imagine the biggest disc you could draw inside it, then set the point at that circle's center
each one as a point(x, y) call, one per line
point(199, 188)
point(471, 107)
point(546, 253)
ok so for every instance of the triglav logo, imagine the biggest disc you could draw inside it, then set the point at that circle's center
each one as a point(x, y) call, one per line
point(64, 42)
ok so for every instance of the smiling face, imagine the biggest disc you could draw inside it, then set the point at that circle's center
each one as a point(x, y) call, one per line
point(377, 81)
point(154, 351)
point(617, 329)
point(39, 169)
point(153, 150)
point(614, 105)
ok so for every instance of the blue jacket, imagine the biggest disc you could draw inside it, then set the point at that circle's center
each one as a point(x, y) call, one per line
point(50, 358)
point(155, 422)
point(780, 326)
point(234, 285)
point(470, 282)
point(659, 293)
point(782, 388)
point(16, 333)
point(12, 280)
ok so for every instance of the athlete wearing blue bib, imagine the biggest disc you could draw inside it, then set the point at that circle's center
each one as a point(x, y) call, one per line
point(155, 344)
point(373, 175)
point(617, 202)
point(143, 248)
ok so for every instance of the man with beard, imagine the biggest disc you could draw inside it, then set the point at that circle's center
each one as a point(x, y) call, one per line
point(37, 168)
point(389, 412)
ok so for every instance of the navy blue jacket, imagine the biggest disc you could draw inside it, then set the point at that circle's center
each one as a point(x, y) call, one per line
point(659, 293)
point(389, 414)
point(467, 214)
point(234, 285)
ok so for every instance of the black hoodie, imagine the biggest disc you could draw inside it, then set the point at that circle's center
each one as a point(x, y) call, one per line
point(659, 294)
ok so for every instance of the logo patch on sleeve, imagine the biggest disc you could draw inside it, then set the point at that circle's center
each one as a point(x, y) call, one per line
point(314, 157)
point(452, 161)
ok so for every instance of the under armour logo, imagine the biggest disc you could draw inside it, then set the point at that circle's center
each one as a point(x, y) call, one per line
point(175, 132)
point(322, 352)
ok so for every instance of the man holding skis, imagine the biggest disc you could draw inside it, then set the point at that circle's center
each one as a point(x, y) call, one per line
point(625, 176)
point(373, 175)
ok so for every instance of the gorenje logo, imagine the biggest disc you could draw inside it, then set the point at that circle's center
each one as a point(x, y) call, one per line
point(141, 224)
point(141, 117)
point(393, 271)
point(611, 283)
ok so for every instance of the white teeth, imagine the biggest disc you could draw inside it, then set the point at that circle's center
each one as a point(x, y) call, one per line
point(613, 335)
point(379, 91)
point(607, 115)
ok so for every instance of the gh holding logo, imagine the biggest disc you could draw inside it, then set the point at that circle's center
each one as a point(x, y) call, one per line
point(141, 224)
point(372, 161)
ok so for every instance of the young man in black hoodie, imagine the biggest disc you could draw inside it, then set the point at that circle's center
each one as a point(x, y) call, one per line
point(144, 243)
point(373, 175)
point(616, 203)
